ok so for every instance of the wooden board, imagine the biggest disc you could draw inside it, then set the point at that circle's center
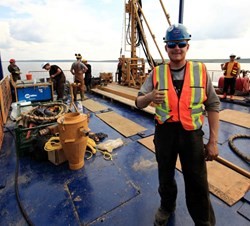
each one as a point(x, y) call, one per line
point(123, 91)
point(234, 97)
point(93, 105)
point(148, 143)
point(123, 125)
point(1, 131)
point(5, 98)
point(238, 98)
point(224, 182)
point(149, 109)
point(235, 117)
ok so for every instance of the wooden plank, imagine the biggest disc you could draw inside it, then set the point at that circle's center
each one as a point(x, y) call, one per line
point(123, 125)
point(1, 131)
point(149, 109)
point(224, 182)
point(238, 98)
point(5, 98)
point(234, 97)
point(93, 106)
point(235, 117)
point(122, 91)
point(148, 142)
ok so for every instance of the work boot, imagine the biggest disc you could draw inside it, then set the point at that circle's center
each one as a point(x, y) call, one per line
point(82, 96)
point(161, 217)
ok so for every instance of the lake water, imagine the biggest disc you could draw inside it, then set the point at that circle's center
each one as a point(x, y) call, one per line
point(97, 67)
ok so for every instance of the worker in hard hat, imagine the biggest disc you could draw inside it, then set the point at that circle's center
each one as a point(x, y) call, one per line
point(58, 78)
point(14, 70)
point(179, 89)
point(15, 74)
point(78, 69)
point(231, 72)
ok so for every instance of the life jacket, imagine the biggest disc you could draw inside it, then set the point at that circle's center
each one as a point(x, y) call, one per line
point(234, 69)
point(188, 109)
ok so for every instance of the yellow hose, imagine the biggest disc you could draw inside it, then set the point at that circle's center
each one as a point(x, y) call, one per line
point(53, 144)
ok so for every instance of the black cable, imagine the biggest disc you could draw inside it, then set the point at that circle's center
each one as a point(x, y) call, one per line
point(24, 213)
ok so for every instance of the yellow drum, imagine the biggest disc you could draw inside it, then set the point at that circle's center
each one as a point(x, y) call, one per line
point(73, 133)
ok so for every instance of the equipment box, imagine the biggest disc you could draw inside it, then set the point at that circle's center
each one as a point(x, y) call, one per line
point(25, 137)
point(57, 157)
point(34, 92)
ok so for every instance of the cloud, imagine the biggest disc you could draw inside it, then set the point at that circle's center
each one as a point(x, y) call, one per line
point(64, 27)
point(27, 31)
point(44, 29)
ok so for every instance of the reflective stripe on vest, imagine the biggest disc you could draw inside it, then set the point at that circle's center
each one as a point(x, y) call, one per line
point(234, 69)
point(188, 109)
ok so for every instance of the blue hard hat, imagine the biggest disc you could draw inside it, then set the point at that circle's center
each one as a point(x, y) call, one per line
point(177, 32)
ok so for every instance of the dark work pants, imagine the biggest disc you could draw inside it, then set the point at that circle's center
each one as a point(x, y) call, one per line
point(87, 81)
point(120, 77)
point(60, 88)
point(229, 83)
point(170, 141)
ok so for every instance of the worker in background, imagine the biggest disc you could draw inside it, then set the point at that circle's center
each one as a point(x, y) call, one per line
point(14, 70)
point(78, 69)
point(119, 71)
point(15, 74)
point(88, 75)
point(246, 82)
point(243, 84)
point(179, 89)
point(58, 78)
point(231, 71)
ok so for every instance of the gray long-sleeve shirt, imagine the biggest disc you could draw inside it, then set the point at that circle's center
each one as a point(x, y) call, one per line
point(211, 104)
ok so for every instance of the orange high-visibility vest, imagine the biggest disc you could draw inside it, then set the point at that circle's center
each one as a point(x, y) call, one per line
point(188, 108)
point(234, 69)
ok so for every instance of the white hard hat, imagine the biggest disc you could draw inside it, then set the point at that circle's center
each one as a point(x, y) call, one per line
point(44, 64)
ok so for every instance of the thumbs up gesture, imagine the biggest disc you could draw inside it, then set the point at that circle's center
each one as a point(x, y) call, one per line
point(157, 96)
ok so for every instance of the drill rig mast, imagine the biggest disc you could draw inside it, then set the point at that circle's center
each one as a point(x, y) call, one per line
point(133, 68)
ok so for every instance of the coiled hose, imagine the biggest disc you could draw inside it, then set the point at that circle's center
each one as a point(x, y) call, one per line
point(235, 149)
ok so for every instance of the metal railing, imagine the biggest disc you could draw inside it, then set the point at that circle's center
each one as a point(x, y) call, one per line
point(45, 74)
point(214, 74)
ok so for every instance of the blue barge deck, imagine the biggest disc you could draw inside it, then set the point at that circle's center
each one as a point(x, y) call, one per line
point(107, 193)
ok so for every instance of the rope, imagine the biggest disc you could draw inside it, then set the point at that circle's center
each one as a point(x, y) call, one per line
point(31, 115)
point(235, 149)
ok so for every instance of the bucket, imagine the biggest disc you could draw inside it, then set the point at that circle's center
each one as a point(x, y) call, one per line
point(73, 134)
point(29, 76)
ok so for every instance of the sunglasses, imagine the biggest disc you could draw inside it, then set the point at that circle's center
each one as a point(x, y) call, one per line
point(172, 45)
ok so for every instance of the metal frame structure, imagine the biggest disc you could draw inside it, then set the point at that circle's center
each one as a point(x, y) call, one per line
point(133, 68)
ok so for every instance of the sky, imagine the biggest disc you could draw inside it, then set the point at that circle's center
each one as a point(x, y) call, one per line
point(57, 29)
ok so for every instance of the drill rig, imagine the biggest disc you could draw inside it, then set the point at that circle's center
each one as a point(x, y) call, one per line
point(133, 68)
